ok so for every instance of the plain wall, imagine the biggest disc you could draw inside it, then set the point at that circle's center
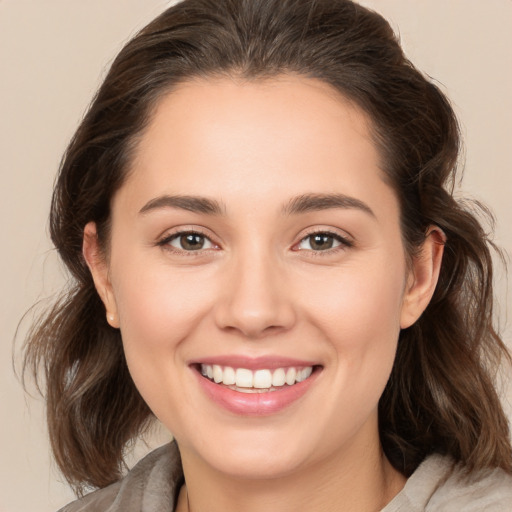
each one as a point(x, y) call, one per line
point(53, 53)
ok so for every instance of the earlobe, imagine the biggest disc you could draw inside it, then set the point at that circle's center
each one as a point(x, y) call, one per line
point(98, 267)
point(423, 278)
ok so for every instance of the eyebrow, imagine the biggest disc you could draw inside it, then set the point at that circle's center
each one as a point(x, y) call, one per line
point(314, 202)
point(195, 204)
point(297, 205)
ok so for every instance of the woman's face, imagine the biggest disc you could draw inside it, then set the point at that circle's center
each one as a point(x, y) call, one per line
point(256, 241)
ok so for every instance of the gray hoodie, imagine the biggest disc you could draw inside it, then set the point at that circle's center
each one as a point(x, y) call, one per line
point(438, 485)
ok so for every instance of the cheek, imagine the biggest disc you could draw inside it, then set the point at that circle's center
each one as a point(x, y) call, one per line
point(161, 309)
point(358, 303)
point(360, 320)
point(158, 311)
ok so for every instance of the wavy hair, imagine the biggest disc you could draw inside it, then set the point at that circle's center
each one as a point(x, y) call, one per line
point(441, 395)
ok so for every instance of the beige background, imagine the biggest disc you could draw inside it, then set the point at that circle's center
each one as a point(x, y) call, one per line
point(53, 54)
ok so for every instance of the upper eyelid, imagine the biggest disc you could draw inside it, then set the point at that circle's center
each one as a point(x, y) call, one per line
point(179, 234)
point(345, 243)
point(343, 237)
point(164, 243)
point(341, 234)
point(169, 235)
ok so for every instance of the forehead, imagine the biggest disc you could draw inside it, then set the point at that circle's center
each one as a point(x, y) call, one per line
point(233, 139)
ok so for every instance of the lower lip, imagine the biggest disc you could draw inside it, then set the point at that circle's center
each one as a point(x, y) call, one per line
point(255, 404)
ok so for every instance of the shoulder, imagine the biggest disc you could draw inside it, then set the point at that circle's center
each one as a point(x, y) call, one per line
point(440, 485)
point(151, 485)
point(487, 490)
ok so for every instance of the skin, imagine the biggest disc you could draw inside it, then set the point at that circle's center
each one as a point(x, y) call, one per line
point(258, 289)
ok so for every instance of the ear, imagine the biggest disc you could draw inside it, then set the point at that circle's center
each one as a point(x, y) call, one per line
point(423, 277)
point(98, 266)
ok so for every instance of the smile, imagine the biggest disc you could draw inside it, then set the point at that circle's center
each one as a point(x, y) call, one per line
point(255, 387)
point(262, 380)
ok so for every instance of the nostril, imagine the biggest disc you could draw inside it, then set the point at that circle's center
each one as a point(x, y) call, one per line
point(254, 323)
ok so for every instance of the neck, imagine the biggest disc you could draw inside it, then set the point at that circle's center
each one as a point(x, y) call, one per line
point(338, 484)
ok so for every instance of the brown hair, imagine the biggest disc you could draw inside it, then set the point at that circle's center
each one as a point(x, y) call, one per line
point(441, 395)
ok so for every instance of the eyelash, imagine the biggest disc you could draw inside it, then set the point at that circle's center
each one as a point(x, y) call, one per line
point(165, 242)
point(344, 242)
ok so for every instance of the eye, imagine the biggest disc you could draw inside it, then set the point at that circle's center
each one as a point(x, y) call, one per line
point(322, 242)
point(188, 241)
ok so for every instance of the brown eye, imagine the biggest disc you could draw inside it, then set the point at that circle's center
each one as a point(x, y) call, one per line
point(190, 242)
point(322, 242)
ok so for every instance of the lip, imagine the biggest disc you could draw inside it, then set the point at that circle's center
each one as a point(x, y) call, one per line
point(254, 404)
point(254, 363)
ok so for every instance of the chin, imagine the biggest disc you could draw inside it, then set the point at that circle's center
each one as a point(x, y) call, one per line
point(253, 456)
point(258, 464)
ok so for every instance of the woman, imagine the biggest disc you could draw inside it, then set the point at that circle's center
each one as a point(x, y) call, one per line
point(266, 257)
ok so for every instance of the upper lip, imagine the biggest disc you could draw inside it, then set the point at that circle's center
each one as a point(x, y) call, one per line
point(254, 363)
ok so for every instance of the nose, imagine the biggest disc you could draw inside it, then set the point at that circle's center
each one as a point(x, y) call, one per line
point(255, 301)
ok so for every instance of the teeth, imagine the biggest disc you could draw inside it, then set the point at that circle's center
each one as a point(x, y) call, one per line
point(262, 379)
point(217, 373)
point(243, 378)
point(279, 378)
point(229, 376)
point(247, 380)
point(290, 376)
point(303, 374)
point(306, 372)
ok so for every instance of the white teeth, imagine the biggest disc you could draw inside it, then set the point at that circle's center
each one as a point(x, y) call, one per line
point(243, 378)
point(303, 374)
point(279, 378)
point(291, 373)
point(229, 376)
point(263, 379)
point(217, 373)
